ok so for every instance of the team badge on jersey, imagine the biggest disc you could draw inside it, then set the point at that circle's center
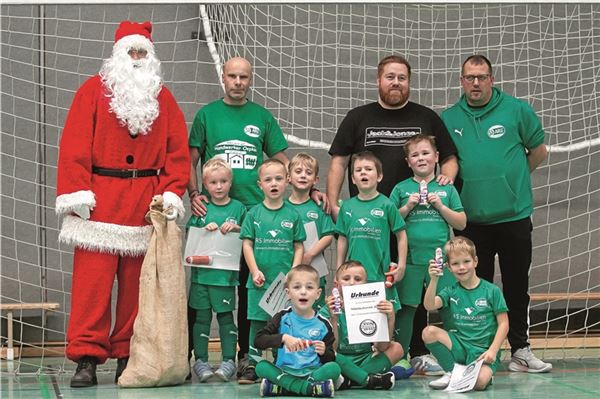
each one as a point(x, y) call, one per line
point(287, 224)
point(252, 131)
point(377, 213)
point(496, 131)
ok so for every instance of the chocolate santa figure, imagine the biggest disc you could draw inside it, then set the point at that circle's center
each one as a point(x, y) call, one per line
point(124, 141)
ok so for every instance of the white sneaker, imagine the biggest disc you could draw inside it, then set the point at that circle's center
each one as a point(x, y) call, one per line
point(441, 383)
point(426, 364)
point(524, 360)
point(203, 370)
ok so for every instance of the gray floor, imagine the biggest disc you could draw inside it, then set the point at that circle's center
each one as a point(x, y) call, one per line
point(569, 379)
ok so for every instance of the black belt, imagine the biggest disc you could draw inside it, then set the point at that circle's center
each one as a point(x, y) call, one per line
point(125, 173)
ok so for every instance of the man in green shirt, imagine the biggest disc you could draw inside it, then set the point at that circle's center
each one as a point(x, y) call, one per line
point(500, 141)
point(238, 131)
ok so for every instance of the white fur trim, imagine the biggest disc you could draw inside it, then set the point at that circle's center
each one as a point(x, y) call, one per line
point(105, 237)
point(172, 199)
point(66, 203)
point(134, 42)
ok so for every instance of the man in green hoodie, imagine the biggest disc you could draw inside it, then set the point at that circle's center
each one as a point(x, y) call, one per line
point(500, 141)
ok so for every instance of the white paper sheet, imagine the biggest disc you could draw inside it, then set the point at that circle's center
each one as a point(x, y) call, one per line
point(464, 377)
point(275, 298)
point(365, 323)
point(312, 238)
point(225, 249)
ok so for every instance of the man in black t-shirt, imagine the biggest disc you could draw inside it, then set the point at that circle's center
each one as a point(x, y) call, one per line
point(383, 127)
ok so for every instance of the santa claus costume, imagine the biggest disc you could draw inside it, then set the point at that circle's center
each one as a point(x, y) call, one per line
point(124, 141)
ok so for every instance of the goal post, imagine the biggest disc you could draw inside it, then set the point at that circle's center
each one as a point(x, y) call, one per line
point(312, 63)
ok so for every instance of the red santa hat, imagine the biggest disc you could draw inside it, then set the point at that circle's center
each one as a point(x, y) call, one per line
point(134, 35)
point(127, 28)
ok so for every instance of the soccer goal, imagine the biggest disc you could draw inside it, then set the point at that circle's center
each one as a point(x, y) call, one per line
point(312, 63)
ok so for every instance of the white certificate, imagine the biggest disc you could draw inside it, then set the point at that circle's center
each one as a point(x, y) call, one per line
point(464, 377)
point(224, 249)
point(312, 238)
point(275, 298)
point(365, 323)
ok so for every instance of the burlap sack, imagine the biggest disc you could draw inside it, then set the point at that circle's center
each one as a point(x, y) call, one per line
point(159, 345)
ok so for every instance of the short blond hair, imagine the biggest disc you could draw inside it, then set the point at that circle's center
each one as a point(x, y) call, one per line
point(305, 159)
point(460, 244)
point(214, 164)
point(301, 268)
point(269, 162)
point(348, 265)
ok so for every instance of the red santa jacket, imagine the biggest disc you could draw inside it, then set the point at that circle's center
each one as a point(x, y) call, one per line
point(93, 136)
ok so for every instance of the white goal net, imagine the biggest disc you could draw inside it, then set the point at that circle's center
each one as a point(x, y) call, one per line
point(312, 63)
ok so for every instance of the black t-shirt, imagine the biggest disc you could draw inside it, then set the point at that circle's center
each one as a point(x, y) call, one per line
point(384, 132)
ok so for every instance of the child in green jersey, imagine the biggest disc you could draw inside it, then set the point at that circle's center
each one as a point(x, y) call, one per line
point(304, 174)
point(363, 365)
point(365, 224)
point(477, 321)
point(427, 219)
point(304, 341)
point(273, 235)
point(213, 290)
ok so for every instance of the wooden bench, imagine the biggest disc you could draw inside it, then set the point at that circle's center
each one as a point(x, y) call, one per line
point(10, 308)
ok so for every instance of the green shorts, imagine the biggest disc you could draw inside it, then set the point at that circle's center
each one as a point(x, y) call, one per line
point(217, 298)
point(416, 278)
point(465, 353)
point(255, 312)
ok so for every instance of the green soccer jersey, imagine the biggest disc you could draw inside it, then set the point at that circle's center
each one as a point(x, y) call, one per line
point(311, 212)
point(471, 313)
point(233, 212)
point(426, 229)
point(239, 134)
point(367, 226)
point(344, 347)
point(273, 232)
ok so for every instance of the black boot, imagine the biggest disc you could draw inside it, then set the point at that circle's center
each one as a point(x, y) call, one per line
point(85, 375)
point(121, 365)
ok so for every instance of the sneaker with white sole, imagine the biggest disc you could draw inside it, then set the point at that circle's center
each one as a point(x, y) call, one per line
point(267, 388)
point(381, 381)
point(226, 370)
point(323, 389)
point(426, 364)
point(203, 370)
point(441, 383)
point(525, 361)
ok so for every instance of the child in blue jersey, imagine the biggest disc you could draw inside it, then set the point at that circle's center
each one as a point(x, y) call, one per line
point(477, 321)
point(273, 237)
point(213, 290)
point(305, 362)
point(304, 174)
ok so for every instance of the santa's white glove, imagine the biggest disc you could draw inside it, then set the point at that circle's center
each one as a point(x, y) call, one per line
point(171, 214)
point(83, 211)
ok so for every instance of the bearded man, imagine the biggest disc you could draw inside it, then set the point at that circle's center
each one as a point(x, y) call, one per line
point(124, 141)
point(383, 127)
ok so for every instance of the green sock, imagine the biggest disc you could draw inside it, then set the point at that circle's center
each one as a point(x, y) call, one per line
point(255, 327)
point(291, 383)
point(403, 328)
point(202, 333)
point(377, 364)
point(442, 354)
point(228, 333)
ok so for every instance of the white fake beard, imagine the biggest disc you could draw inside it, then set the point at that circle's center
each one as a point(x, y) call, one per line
point(133, 86)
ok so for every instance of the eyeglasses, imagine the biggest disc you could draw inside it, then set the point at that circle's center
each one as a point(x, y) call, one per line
point(481, 78)
point(141, 53)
